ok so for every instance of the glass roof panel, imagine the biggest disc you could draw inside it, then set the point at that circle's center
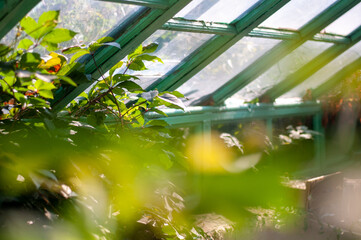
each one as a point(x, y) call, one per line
point(215, 10)
point(296, 13)
point(173, 48)
point(326, 72)
point(89, 18)
point(347, 22)
point(282, 69)
point(226, 66)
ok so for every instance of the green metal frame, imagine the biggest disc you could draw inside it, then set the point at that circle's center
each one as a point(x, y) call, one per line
point(11, 12)
point(311, 67)
point(157, 14)
point(217, 45)
point(129, 35)
point(184, 25)
point(161, 4)
point(203, 117)
point(279, 51)
point(196, 115)
point(336, 78)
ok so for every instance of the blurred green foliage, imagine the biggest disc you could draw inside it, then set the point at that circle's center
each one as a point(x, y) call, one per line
point(99, 169)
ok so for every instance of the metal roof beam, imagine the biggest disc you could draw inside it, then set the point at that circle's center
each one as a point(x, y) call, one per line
point(185, 25)
point(279, 51)
point(336, 79)
point(311, 67)
point(12, 12)
point(130, 34)
point(198, 114)
point(161, 4)
point(217, 45)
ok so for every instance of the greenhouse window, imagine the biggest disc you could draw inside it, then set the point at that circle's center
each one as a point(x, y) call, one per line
point(213, 10)
point(234, 60)
point(173, 48)
point(296, 13)
point(326, 72)
point(282, 69)
point(347, 22)
point(90, 19)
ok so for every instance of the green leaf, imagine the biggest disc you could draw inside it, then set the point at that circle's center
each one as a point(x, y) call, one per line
point(123, 77)
point(157, 122)
point(25, 44)
point(30, 60)
point(115, 67)
point(105, 40)
point(147, 57)
point(78, 55)
point(46, 94)
point(38, 102)
point(112, 44)
point(172, 99)
point(69, 68)
point(96, 118)
point(49, 17)
point(68, 80)
point(41, 85)
point(47, 22)
point(159, 112)
point(71, 50)
point(175, 93)
point(137, 51)
point(20, 97)
point(150, 48)
point(130, 86)
point(94, 46)
point(137, 65)
point(149, 96)
point(8, 81)
point(30, 26)
point(4, 49)
point(49, 46)
point(59, 35)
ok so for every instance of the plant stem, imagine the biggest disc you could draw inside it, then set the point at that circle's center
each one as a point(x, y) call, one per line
point(109, 87)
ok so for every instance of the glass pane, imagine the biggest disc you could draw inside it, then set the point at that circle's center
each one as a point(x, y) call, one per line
point(89, 18)
point(282, 69)
point(215, 10)
point(325, 73)
point(347, 22)
point(296, 13)
point(226, 66)
point(173, 48)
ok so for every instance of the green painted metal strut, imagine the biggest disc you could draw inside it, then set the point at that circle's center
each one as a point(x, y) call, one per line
point(311, 67)
point(12, 12)
point(217, 45)
point(336, 78)
point(161, 4)
point(196, 115)
point(185, 25)
point(320, 143)
point(280, 51)
point(129, 35)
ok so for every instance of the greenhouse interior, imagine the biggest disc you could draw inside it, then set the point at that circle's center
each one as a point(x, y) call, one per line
point(180, 119)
